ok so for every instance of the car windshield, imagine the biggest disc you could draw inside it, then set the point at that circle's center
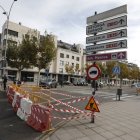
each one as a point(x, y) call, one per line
point(138, 85)
point(49, 80)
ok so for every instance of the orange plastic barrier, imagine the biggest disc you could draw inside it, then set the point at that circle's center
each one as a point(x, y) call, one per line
point(39, 118)
point(16, 105)
point(10, 94)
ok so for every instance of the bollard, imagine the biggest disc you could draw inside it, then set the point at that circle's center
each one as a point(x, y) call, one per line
point(92, 117)
point(119, 93)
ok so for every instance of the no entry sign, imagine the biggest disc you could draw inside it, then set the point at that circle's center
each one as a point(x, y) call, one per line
point(93, 72)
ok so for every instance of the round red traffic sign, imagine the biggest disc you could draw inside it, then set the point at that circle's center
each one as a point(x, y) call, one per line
point(93, 72)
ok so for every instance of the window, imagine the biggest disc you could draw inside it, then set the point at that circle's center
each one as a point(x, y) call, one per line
point(72, 57)
point(61, 63)
point(67, 63)
point(10, 42)
point(61, 55)
point(67, 56)
point(27, 36)
point(73, 64)
point(77, 58)
point(60, 70)
point(10, 32)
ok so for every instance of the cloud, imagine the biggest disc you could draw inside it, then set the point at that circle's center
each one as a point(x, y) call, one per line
point(67, 18)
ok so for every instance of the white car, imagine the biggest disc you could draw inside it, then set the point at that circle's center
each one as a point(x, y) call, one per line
point(101, 84)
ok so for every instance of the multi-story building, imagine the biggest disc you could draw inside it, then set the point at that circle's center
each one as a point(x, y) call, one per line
point(67, 54)
point(70, 56)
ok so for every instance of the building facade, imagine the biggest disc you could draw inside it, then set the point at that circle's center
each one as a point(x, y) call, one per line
point(67, 55)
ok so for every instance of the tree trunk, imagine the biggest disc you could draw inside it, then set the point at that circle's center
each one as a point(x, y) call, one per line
point(19, 75)
point(38, 79)
point(120, 82)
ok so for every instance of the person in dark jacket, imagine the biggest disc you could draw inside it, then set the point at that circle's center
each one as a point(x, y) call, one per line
point(18, 83)
point(4, 81)
point(94, 86)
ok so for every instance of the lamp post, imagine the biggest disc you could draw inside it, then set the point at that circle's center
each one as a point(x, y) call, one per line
point(7, 24)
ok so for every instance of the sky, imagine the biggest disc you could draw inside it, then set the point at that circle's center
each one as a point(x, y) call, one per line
point(67, 19)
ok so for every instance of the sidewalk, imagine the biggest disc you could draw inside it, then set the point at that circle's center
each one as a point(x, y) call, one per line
point(118, 120)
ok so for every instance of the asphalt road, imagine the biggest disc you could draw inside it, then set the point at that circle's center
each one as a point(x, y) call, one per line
point(71, 93)
point(13, 128)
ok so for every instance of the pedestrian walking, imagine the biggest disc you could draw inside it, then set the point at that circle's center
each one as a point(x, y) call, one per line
point(4, 81)
point(18, 83)
point(61, 83)
point(94, 86)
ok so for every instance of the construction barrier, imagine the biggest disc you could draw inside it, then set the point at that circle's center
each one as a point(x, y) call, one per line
point(35, 106)
point(16, 101)
point(10, 94)
point(39, 118)
point(26, 102)
point(25, 109)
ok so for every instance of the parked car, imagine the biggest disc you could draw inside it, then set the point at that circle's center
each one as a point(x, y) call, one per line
point(110, 84)
point(48, 83)
point(134, 85)
point(137, 88)
point(67, 83)
point(100, 84)
point(82, 82)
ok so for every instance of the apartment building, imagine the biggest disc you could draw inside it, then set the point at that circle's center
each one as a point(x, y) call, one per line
point(70, 54)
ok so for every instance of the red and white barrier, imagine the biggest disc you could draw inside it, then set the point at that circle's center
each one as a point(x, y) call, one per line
point(25, 108)
point(10, 94)
point(67, 95)
point(39, 118)
point(83, 116)
point(76, 100)
point(16, 101)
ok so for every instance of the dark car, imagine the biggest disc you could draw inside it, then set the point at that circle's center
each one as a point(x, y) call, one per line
point(48, 83)
point(67, 83)
point(82, 82)
point(134, 85)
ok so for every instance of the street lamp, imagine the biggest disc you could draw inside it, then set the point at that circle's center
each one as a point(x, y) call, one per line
point(7, 24)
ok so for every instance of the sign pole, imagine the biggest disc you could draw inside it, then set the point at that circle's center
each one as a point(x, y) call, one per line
point(97, 25)
point(94, 81)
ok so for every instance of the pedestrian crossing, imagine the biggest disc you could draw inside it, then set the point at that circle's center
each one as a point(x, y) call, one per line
point(103, 94)
point(107, 95)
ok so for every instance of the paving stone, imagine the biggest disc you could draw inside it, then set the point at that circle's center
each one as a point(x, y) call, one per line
point(83, 138)
point(108, 135)
point(128, 137)
point(97, 137)
point(117, 121)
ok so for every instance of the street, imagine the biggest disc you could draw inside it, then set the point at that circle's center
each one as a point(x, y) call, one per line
point(11, 127)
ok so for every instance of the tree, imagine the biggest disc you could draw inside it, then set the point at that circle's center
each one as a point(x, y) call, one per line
point(124, 71)
point(22, 55)
point(69, 69)
point(46, 53)
point(134, 73)
point(31, 52)
point(77, 68)
point(109, 67)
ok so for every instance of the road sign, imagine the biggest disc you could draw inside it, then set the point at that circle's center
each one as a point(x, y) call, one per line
point(107, 46)
point(107, 25)
point(93, 72)
point(116, 69)
point(107, 36)
point(106, 14)
point(92, 105)
point(107, 56)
